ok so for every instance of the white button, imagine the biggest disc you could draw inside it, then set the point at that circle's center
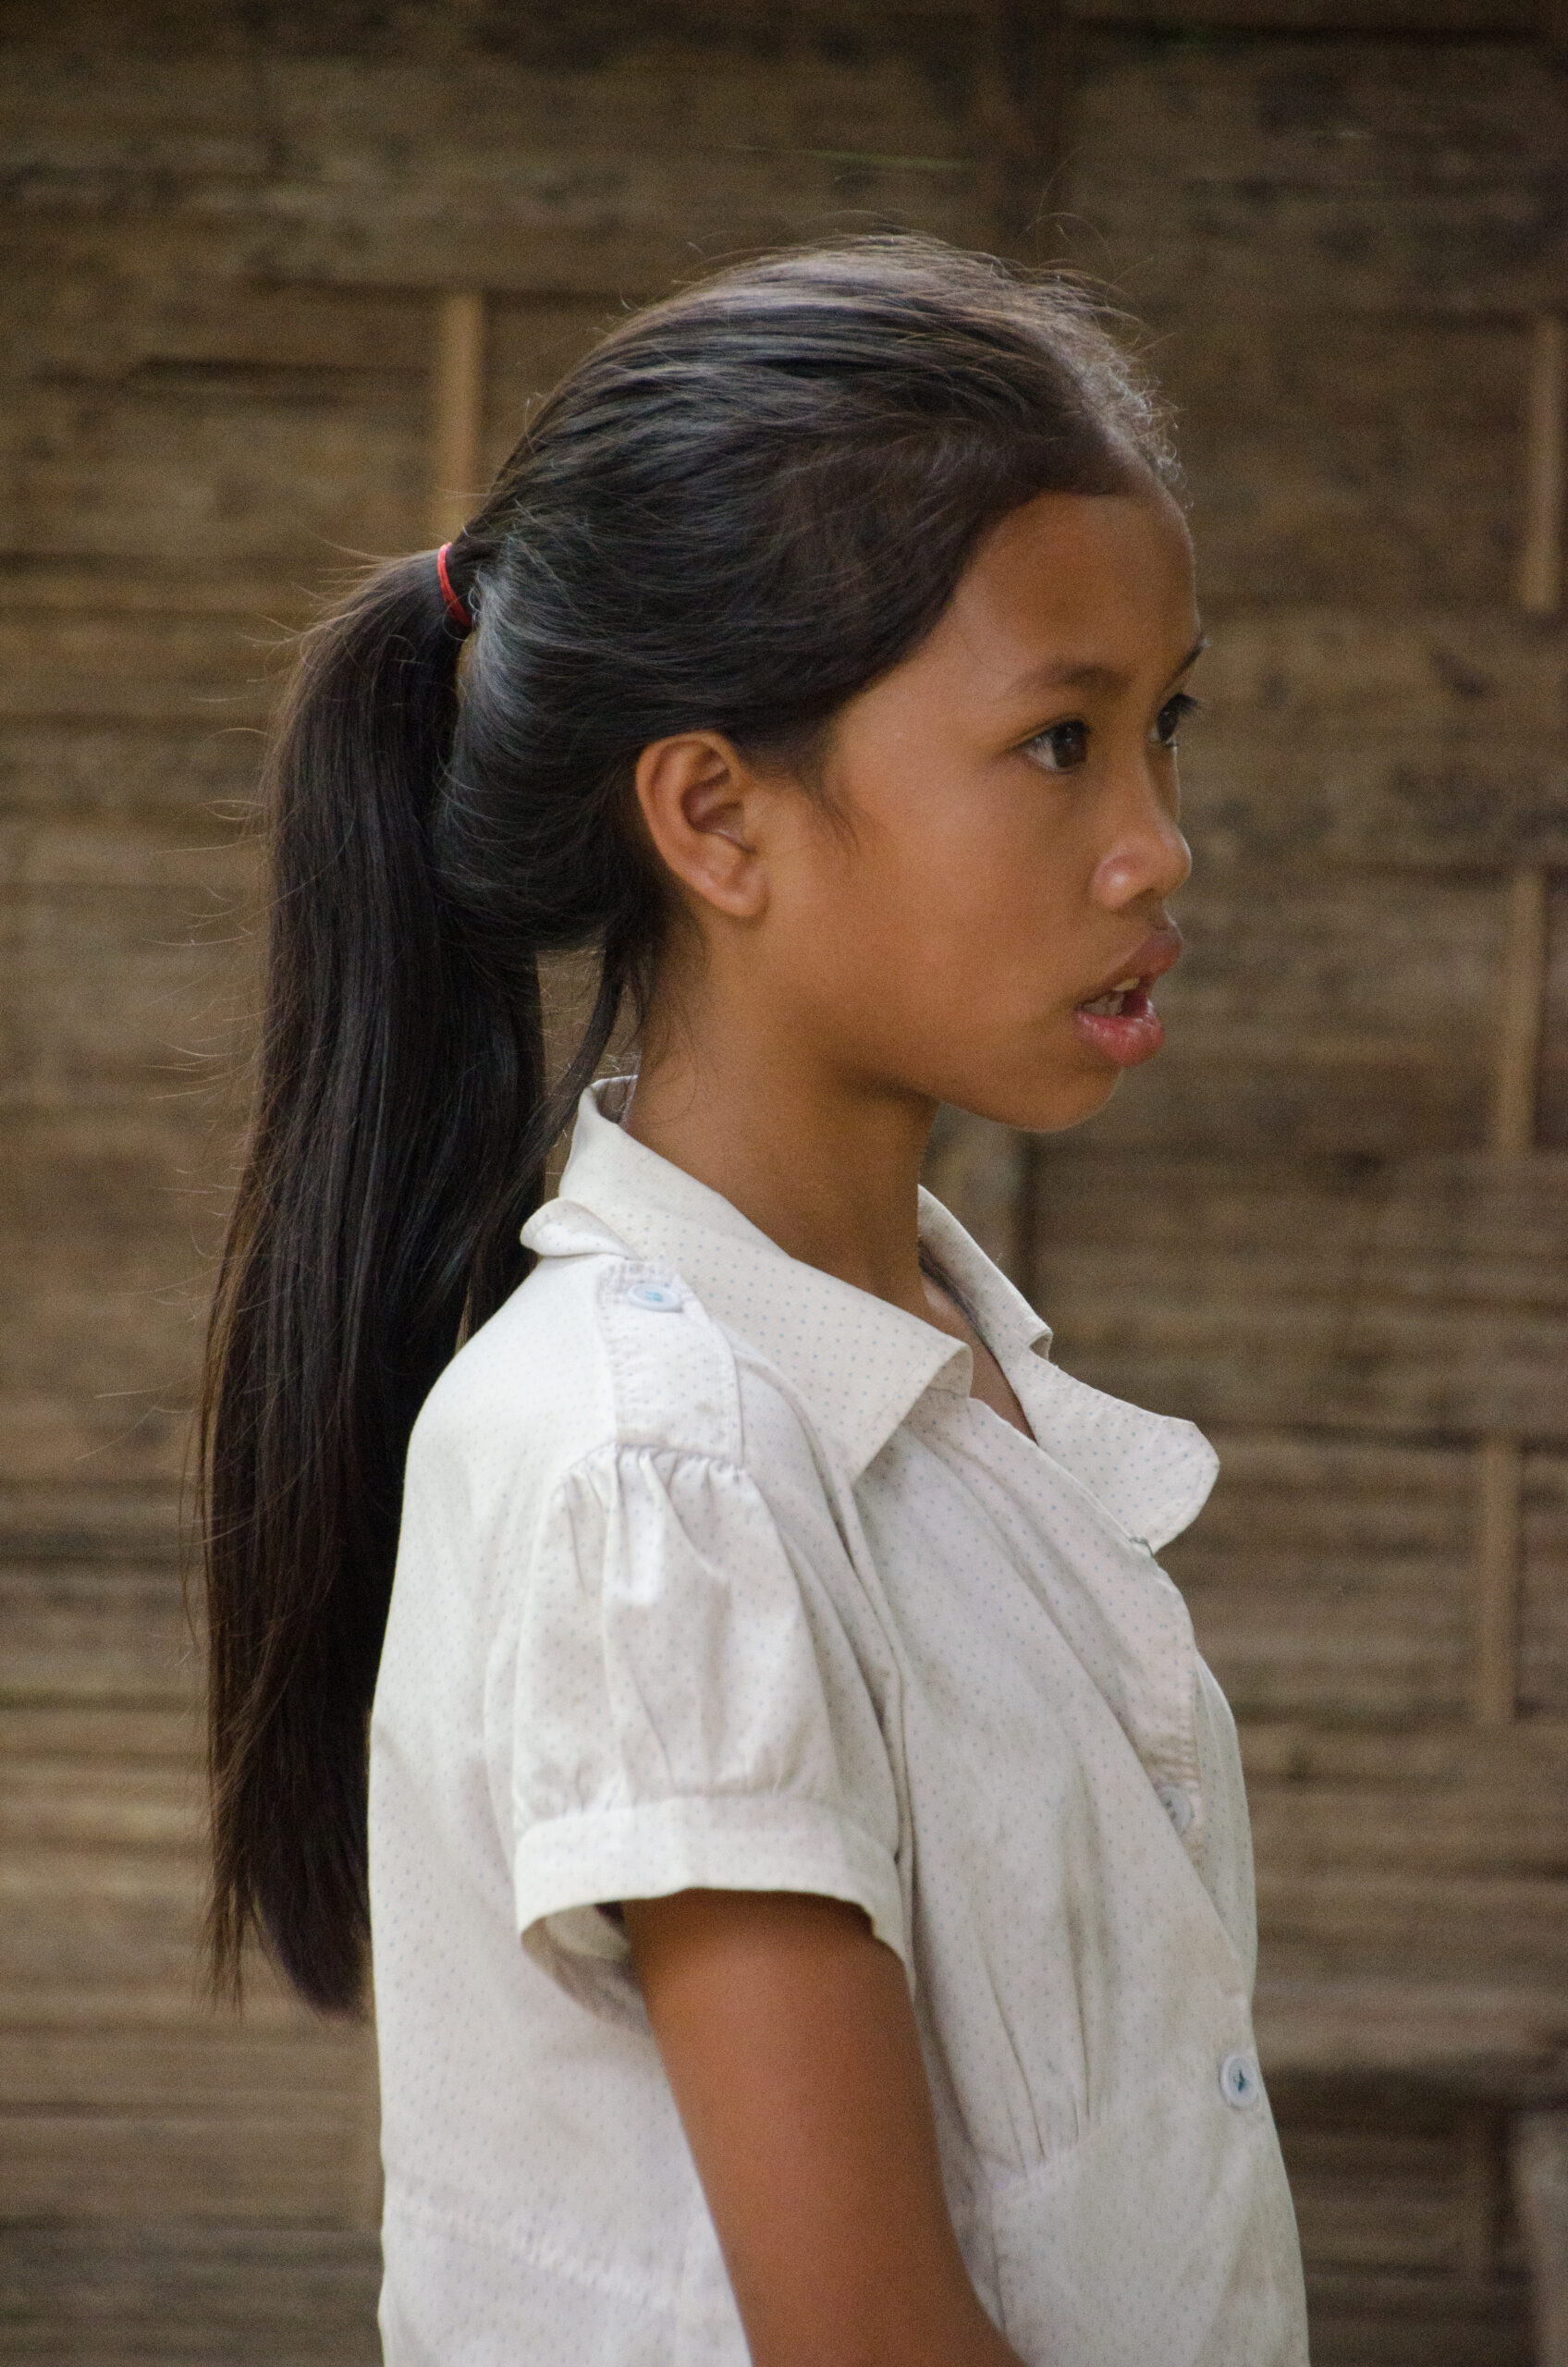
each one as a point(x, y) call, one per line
point(1177, 1804)
point(657, 1295)
point(1241, 2083)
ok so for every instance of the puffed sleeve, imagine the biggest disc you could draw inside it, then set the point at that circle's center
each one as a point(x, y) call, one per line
point(688, 1712)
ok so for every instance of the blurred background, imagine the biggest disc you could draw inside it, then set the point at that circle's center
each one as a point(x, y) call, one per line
point(278, 283)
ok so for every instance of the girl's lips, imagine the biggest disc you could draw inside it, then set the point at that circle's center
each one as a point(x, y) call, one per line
point(1126, 1037)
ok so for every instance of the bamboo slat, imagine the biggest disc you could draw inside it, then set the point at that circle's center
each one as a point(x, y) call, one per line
point(1500, 1463)
point(457, 433)
point(1546, 467)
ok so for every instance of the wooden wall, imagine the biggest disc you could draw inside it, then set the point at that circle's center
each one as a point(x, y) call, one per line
point(1330, 1223)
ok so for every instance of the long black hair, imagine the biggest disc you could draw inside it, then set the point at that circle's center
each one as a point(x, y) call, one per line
point(745, 506)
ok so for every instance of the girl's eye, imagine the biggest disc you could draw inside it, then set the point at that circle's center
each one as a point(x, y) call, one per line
point(1171, 716)
point(1062, 747)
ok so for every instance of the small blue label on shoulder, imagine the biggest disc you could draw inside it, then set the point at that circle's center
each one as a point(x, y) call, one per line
point(658, 1297)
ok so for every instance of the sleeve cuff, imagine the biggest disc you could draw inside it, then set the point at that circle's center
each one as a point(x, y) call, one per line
point(748, 1842)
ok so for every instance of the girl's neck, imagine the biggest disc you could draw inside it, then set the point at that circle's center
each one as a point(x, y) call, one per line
point(828, 1170)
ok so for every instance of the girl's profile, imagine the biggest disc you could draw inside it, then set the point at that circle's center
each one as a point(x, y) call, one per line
point(684, 1636)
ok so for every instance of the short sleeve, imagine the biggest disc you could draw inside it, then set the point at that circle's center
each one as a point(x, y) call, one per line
point(689, 1713)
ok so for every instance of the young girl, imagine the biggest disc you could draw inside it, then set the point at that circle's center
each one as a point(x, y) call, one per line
point(808, 1867)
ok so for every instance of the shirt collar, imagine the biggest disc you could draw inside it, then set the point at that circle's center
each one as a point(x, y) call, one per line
point(860, 1364)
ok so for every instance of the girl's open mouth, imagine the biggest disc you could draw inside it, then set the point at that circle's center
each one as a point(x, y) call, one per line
point(1121, 1022)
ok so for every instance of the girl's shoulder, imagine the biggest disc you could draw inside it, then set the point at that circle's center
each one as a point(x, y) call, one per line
point(595, 1355)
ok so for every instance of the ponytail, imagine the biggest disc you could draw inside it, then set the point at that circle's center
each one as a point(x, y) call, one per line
point(398, 1148)
point(746, 505)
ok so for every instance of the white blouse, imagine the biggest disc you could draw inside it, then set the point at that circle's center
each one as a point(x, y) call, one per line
point(714, 1574)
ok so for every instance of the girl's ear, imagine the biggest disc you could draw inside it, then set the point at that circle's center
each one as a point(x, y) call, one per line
point(701, 805)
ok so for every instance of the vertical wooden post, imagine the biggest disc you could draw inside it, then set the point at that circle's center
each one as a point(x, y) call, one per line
point(1498, 1477)
point(457, 414)
point(1540, 2188)
point(1546, 467)
point(1499, 1462)
point(1481, 2175)
point(1512, 1128)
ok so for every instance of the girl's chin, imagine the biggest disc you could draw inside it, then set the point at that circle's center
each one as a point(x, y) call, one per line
point(1048, 1104)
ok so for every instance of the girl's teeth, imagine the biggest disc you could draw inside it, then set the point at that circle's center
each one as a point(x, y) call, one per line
point(1108, 1005)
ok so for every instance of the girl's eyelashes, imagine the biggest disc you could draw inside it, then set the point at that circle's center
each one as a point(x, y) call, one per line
point(1062, 747)
point(1171, 716)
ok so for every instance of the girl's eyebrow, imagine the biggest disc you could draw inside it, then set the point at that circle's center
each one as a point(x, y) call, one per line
point(1091, 677)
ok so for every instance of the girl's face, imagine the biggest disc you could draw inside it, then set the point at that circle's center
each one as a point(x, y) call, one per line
point(980, 918)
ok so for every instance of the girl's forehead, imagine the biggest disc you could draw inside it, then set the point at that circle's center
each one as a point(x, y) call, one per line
point(1073, 591)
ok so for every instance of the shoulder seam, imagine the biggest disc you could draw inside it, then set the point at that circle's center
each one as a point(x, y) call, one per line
point(672, 1366)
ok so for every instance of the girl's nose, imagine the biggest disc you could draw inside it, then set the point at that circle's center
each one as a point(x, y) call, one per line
point(1149, 857)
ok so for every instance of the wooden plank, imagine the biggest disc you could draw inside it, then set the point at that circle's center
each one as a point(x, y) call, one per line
point(1456, 670)
point(55, 1804)
point(1363, 1024)
point(561, 163)
point(1385, 2182)
point(99, 2296)
point(165, 587)
point(1424, 1295)
point(1427, 19)
point(127, 995)
point(1513, 1764)
point(79, 1710)
point(107, 1225)
point(1329, 1578)
point(73, 1516)
point(1403, 738)
point(1302, 177)
point(204, 675)
point(1507, 2040)
point(292, 2168)
point(1356, 2212)
point(1477, 1828)
point(91, 1921)
point(291, 471)
point(1335, 1925)
point(98, 1940)
point(1360, 464)
point(82, 303)
point(1362, 2318)
point(82, 768)
point(196, 2073)
point(1388, 789)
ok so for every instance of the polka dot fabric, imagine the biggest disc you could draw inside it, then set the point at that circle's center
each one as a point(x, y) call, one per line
point(713, 1574)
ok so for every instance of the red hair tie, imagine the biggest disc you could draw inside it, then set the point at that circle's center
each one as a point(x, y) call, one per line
point(455, 608)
